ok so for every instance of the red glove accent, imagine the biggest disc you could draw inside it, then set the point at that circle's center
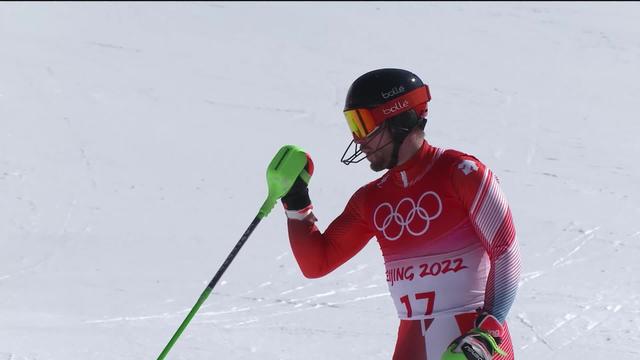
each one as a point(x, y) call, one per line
point(309, 165)
point(488, 323)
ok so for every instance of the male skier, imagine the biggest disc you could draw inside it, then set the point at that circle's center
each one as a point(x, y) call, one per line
point(440, 218)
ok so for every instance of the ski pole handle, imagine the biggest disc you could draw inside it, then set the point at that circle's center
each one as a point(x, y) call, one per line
point(282, 172)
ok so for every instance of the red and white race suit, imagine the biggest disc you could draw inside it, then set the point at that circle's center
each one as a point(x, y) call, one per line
point(448, 242)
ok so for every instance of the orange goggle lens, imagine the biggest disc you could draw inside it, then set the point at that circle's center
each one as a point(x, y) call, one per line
point(361, 122)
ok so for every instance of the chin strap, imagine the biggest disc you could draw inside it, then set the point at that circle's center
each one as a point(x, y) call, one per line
point(398, 134)
point(394, 154)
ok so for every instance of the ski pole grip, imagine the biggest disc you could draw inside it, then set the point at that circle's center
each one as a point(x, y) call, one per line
point(282, 172)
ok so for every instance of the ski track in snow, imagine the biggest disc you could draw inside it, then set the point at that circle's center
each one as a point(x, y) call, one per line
point(311, 307)
point(586, 236)
point(592, 312)
point(582, 323)
point(524, 278)
point(64, 242)
point(299, 304)
point(12, 356)
point(564, 260)
point(258, 108)
point(537, 336)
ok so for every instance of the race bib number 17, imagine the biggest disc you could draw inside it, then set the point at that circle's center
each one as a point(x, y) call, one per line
point(432, 286)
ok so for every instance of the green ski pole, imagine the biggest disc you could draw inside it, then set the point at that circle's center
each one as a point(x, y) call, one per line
point(283, 170)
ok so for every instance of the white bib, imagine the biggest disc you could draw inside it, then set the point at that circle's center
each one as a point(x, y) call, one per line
point(439, 285)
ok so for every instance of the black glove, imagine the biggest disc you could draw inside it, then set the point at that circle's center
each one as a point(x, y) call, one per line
point(298, 196)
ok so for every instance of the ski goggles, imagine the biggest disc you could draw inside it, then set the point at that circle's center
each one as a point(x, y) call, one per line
point(361, 122)
point(364, 121)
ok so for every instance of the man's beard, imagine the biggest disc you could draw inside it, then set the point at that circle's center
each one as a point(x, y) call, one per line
point(379, 165)
point(379, 161)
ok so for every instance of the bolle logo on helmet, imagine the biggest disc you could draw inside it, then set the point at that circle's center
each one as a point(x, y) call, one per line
point(397, 106)
point(395, 91)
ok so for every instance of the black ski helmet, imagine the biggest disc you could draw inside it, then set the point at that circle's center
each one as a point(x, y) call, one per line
point(380, 86)
point(374, 93)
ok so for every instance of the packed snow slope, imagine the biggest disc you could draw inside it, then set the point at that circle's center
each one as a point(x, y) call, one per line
point(134, 139)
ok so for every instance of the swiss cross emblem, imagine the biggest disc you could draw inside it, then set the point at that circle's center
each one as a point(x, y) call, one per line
point(468, 166)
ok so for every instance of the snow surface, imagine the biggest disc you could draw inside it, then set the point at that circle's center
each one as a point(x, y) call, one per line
point(134, 139)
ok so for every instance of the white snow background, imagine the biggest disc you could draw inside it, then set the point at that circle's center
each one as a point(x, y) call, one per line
point(134, 139)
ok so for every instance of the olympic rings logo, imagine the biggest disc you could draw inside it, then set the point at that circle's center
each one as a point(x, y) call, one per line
point(416, 221)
